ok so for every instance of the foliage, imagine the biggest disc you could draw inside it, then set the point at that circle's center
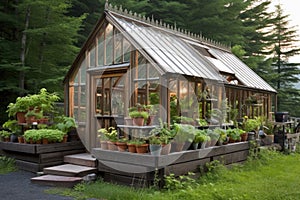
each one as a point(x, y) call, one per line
point(110, 134)
point(7, 165)
point(201, 136)
point(251, 124)
point(64, 123)
point(42, 101)
point(163, 132)
point(53, 135)
point(13, 126)
point(251, 180)
point(183, 182)
point(184, 132)
point(5, 134)
point(136, 114)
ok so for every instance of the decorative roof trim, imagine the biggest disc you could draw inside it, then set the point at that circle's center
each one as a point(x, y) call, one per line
point(161, 24)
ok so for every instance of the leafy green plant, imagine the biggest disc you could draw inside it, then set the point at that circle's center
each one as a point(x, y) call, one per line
point(184, 132)
point(7, 165)
point(64, 123)
point(13, 126)
point(201, 136)
point(136, 114)
point(110, 134)
point(5, 134)
point(251, 124)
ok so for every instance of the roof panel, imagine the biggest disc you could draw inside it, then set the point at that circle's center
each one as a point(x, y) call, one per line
point(171, 53)
point(246, 75)
point(175, 54)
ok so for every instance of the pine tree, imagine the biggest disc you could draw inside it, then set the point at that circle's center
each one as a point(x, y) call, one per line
point(257, 21)
point(283, 48)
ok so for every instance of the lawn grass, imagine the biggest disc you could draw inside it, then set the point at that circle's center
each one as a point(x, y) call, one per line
point(273, 176)
point(7, 165)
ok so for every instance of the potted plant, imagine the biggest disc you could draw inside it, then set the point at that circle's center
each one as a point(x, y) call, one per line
point(155, 145)
point(5, 135)
point(15, 129)
point(112, 136)
point(201, 138)
point(184, 136)
point(141, 146)
point(131, 145)
point(122, 144)
point(65, 124)
point(139, 117)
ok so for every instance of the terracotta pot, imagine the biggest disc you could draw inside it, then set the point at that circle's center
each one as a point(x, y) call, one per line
point(138, 121)
point(45, 141)
point(21, 117)
point(104, 145)
point(142, 148)
point(39, 142)
point(166, 149)
point(65, 139)
point(178, 146)
point(244, 137)
point(112, 146)
point(6, 139)
point(122, 146)
point(128, 121)
point(131, 148)
point(21, 139)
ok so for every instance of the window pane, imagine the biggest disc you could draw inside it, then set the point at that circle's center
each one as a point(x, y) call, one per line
point(101, 50)
point(109, 44)
point(118, 97)
point(92, 57)
point(118, 47)
point(126, 50)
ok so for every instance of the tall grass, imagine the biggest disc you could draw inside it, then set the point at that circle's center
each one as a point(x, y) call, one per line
point(270, 175)
point(7, 165)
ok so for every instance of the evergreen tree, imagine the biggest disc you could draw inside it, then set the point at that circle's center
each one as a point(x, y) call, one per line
point(283, 48)
point(257, 21)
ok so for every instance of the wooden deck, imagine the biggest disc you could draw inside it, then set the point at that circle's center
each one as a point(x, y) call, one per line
point(141, 169)
point(34, 157)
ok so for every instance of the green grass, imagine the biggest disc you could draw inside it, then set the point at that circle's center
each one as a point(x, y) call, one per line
point(7, 165)
point(272, 176)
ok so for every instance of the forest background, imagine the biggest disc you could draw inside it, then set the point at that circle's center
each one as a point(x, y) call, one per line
point(39, 39)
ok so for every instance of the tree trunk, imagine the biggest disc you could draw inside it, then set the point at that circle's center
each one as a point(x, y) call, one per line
point(23, 53)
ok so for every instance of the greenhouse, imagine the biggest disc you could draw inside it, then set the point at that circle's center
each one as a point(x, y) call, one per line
point(129, 59)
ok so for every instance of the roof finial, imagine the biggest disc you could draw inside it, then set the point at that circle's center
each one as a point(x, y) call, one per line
point(106, 5)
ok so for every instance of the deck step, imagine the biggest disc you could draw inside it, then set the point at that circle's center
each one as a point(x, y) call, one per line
point(70, 170)
point(84, 159)
point(57, 181)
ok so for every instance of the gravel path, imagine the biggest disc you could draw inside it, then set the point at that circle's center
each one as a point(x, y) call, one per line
point(17, 186)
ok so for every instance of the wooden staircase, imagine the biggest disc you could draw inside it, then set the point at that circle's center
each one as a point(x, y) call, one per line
point(77, 167)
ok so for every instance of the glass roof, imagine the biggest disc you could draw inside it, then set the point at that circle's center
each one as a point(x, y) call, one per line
point(178, 54)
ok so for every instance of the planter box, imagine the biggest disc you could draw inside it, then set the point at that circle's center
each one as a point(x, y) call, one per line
point(140, 169)
point(34, 157)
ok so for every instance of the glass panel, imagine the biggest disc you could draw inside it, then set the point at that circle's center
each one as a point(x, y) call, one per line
point(107, 97)
point(98, 96)
point(76, 88)
point(92, 57)
point(109, 44)
point(184, 100)
point(82, 74)
point(153, 73)
point(126, 50)
point(82, 96)
point(193, 101)
point(173, 99)
point(118, 97)
point(101, 50)
point(118, 47)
